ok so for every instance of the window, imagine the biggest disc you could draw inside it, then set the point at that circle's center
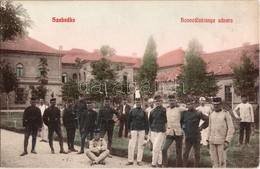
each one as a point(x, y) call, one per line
point(19, 96)
point(228, 94)
point(19, 70)
point(64, 78)
point(74, 76)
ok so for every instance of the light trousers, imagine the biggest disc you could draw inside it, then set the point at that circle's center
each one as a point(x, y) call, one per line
point(44, 132)
point(136, 136)
point(157, 139)
point(218, 155)
point(97, 157)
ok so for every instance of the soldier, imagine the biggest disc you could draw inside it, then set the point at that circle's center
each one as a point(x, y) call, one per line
point(137, 125)
point(78, 109)
point(70, 124)
point(221, 131)
point(44, 130)
point(106, 122)
point(245, 118)
point(190, 120)
point(32, 121)
point(87, 124)
point(123, 110)
point(97, 151)
point(205, 110)
point(51, 118)
point(151, 106)
point(174, 131)
point(158, 124)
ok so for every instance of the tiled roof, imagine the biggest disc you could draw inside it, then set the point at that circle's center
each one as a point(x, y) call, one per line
point(220, 62)
point(71, 55)
point(169, 75)
point(27, 44)
point(174, 57)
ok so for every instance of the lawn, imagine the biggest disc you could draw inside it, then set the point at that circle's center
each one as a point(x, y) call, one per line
point(238, 157)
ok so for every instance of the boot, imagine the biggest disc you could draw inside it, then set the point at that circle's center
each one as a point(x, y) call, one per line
point(33, 151)
point(24, 153)
point(62, 151)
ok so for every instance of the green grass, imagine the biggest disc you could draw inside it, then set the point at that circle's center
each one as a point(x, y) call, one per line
point(237, 157)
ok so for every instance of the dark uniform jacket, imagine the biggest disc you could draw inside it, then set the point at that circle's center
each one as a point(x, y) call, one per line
point(137, 120)
point(89, 119)
point(51, 117)
point(69, 119)
point(120, 110)
point(32, 118)
point(79, 107)
point(190, 120)
point(106, 115)
point(158, 119)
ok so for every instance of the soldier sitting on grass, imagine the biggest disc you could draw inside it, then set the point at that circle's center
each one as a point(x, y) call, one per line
point(97, 151)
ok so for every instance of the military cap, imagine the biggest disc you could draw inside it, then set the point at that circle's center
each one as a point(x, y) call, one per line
point(157, 97)
point(53, 100)
point(151, 100)
point(138, 99)
point(106, 98)
point(33, 98)
point(171, 96)
point(190, 100)
point(69, 100)
point(216, 100)
point(89, 102)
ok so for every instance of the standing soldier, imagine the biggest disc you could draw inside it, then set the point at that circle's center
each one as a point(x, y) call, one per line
point(137, 125)
point(32, 121)
point(205, 110)
point(51, 118)
point(70, 124)
point(87, 124)
point(44, 130)
point(158, 124)
point(79, 107)
point(221, 131)
point(174, 131)
point(106, 122)
point(190, 120)
point(123, 110)
point(151, 106)
point(245, 118)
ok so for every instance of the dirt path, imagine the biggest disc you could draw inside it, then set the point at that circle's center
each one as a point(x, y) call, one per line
point(12, 147)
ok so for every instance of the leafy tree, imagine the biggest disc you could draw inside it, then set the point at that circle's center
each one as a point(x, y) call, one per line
point(70, 90)
point(147, 73)
point(244, 76)
point(40, 92)
point(14, 20)
point(194, 79)
point(104, 73)
point(9, 81)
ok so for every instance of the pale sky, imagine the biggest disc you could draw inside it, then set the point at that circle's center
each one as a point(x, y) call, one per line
point(127, 26)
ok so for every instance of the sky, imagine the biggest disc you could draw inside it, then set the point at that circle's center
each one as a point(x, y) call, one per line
point(127, 26)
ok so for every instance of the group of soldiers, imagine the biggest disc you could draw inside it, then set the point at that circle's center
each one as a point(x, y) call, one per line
point(156, 124)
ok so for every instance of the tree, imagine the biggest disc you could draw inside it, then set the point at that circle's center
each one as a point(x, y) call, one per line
point(104, 73)
point(9, 81)
point(14, 20)
point(194, 80)
point(147, 73)
point(70, 90)
point(79, 65)
point(40, 92)
point(244, 76)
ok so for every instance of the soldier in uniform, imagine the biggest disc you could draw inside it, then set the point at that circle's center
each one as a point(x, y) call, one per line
point(32, 121)
point(106, 122)
point(137, 125)
point(158, 124)
point(221, 131)
point(123, 110)
point(190, 120)
point(51, 118)
point(174, 131)
point(87, 124)
point(97, 151)
point(70, 124)
point(79, 107)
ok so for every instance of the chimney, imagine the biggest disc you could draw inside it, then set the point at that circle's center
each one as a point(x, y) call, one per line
point(246, 44)
point(220, 68)
point(60, 47)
